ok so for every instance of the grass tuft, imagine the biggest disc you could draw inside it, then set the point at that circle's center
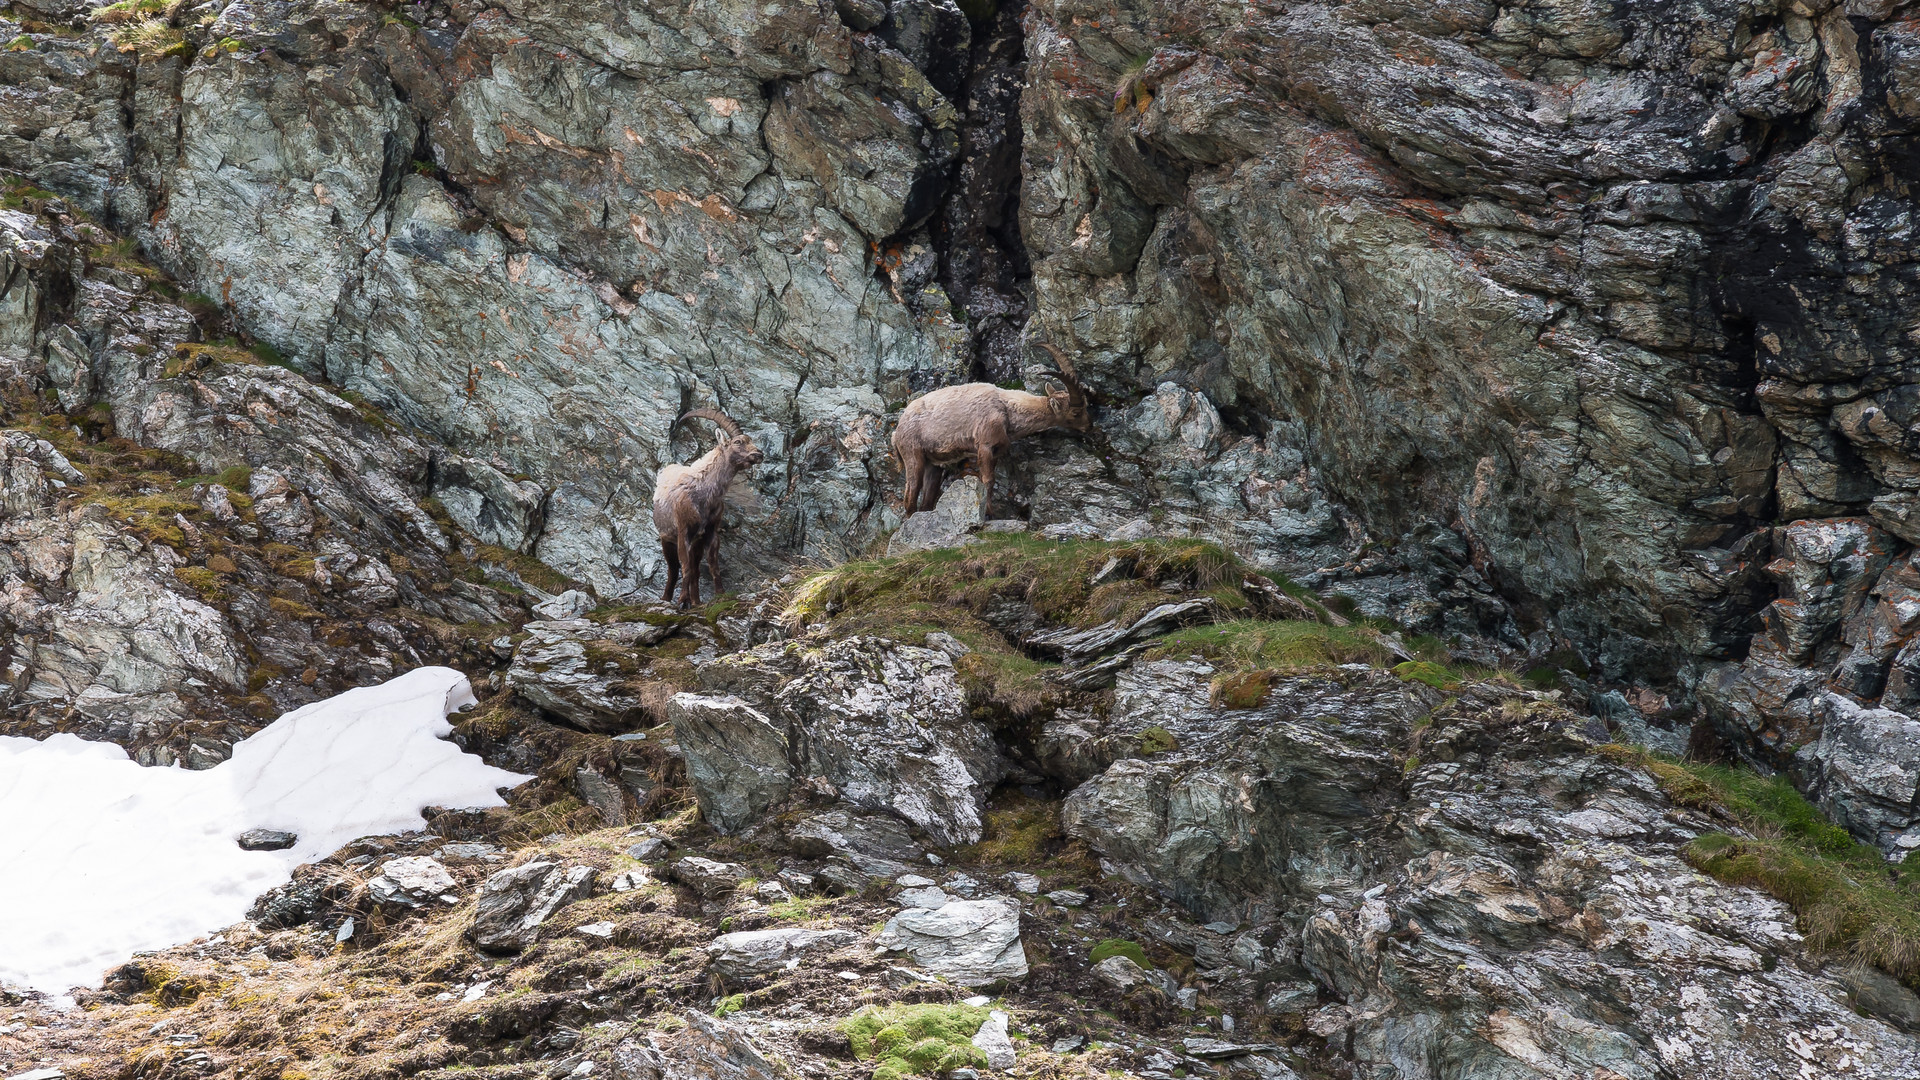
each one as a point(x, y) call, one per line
point(1849, 900)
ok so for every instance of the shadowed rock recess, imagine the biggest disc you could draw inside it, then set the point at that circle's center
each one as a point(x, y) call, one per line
point(1495, 403)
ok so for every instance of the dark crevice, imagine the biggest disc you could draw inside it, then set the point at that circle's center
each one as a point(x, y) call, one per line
point(975, 232)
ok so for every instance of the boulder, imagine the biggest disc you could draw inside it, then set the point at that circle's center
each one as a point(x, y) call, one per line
point(1123, 974)
point(951, 523)
point(888, 727)
point(737, 759)
point(584, 671)
point(972, 942)
point(514, 902)
point(1865, 772)
point(411, 881)
point(755, 952)
point(883, 726)
point(875, 843)
point(707, 877)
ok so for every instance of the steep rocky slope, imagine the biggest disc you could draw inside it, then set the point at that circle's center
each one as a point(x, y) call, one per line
point(1346, 872)
point(337, 338)
point(1528, 322)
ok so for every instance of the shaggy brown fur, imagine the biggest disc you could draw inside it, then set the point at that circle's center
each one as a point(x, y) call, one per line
point(687, 504)
point(978, 420)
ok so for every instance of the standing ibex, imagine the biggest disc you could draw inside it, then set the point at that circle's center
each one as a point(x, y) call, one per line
point(978, 420)
point(688, 501)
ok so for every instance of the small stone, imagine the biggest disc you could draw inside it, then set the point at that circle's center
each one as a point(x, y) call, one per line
point(601, 930)
point(1122, 974)
point(977, 1000)
point(1189, 998)
point(962, 884)
point(267, 840)
point(1023, 883)
point(630, 880)
point(650, 849)
point(1068, 897)
point(410, 881)
point(850, 976)
point(345, 931)
point(752, 952)
point(38, 1074)
point(771, 892)
point(912, 881)
point(992, 1040)
point(707, 877)
point(965, 1074)
point(1223, 927)
point(477, 990)
point(800, 884)
point(1068, 1044)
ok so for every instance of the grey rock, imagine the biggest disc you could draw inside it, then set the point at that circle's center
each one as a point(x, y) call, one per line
point(993, 1041)
point(1123, 974)
point(1865, 772)
point(1068, 1044)
point(755, 952)
point(572, 604)
point(584, 671)
point(888, 726)
point(1292, 997)
point(267, 840)
point(1880, 995)
point(1215, 1049)
point(951, 523)
point(877, 844)
point(737, 758)
point(884, 726)
point(606, 797)
point(650, 849)
point(930, 897)
point(972, 942)
point(513, 903)
point(411, 881)
point(707, 877)
point(1068, 897)
point(771, 892)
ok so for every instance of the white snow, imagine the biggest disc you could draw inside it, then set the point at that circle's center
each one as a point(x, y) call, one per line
point(100, 858)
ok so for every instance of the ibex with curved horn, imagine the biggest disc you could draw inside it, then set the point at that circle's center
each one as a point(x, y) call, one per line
point(688, 501)
point(979, 420)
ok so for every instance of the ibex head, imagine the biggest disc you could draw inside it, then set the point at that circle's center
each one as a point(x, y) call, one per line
point(737, 447)
point(1069, 402)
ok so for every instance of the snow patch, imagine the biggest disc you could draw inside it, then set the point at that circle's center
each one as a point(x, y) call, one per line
point(102, 858)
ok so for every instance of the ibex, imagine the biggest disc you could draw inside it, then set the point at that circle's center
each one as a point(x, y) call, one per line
point(978, 421)
point(688, 501)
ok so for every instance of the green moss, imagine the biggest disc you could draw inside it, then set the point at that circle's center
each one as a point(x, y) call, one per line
point(1848, 900)
point(1112, 947)
point(21, 43)
point(927, 1040)
point(1156, 740)
point(1438, 676)
point(730, 1004)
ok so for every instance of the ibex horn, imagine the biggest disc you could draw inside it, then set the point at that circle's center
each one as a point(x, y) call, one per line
point(1070, 377)
point(720, 419)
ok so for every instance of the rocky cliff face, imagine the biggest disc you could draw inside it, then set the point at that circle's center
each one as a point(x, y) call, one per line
point(339, 337)
point(1551, 312)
